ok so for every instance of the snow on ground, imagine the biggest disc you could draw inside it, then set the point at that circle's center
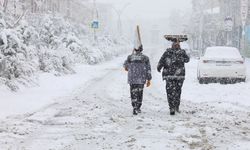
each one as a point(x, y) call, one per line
point(96, 114)
point(50, 90)
point(230, 94)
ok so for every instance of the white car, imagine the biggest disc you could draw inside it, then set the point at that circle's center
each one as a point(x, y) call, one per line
point(221, 64)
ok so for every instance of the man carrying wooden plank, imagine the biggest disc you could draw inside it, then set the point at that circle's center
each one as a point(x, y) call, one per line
point(139, 74)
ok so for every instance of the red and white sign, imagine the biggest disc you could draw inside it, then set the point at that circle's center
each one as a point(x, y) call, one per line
point(228, 24)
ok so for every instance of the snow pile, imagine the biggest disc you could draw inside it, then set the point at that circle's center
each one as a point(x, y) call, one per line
point(49, 44)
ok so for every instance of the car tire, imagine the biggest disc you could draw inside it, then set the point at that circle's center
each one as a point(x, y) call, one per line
point(201, 81)
point(206, 81)
point(243, 80)
point(198, 77)
point(224, 82)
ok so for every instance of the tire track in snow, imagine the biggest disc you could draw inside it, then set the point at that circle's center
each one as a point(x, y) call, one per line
point(99, 116)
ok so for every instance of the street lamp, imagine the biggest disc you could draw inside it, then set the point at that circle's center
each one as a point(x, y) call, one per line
point(94, 16)
point(119, 13)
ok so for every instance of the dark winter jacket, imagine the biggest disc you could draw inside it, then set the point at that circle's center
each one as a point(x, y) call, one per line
point(139, 69)
point(173, 64)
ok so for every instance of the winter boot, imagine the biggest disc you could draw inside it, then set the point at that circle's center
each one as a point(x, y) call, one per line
point(172, 111)
point(135, 111)
point(177, 109)
point(139, 110)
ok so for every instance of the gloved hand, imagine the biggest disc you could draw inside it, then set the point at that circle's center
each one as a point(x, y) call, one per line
point(140, 48)
point(148, 84)
point(158, 69)
point(126, 69)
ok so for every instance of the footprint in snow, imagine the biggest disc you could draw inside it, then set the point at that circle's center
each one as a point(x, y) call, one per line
point(140, 120)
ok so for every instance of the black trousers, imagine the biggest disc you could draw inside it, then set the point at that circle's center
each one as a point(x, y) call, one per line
point(136, 92)
point(173, 89)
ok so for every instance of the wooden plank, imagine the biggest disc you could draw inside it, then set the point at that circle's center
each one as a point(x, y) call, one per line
point(139, 34)
point(176, 38)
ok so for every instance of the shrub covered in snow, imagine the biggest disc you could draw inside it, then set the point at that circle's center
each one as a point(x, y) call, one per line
point(15, 56)
point(59, 47)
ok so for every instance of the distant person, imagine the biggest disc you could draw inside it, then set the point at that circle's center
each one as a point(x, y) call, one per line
point(139, 74)
point(173, 64)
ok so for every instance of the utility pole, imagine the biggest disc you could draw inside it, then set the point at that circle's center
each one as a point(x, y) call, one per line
point(244, 14)
point(95, 21)
point(201, 27)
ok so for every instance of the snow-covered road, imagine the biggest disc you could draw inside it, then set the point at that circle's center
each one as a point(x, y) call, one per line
point(98, 115)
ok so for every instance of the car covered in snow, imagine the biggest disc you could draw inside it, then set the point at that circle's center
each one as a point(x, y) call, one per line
point(221, 64)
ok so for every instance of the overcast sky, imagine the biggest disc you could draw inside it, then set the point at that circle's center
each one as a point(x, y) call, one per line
point(149, 8)
point(149, 14)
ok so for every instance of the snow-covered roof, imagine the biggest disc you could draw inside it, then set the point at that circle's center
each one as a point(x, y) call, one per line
point(222, 52)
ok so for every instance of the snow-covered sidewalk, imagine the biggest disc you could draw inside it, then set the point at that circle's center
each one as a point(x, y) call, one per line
point(96, 114)
point(50, 90)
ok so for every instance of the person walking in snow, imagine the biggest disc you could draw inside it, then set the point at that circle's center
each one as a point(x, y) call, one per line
point(173, 63)
point(139, 74)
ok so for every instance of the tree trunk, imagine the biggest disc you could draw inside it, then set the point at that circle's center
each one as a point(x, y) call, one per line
point(68, 8)
point(32, 6)
point(5, 5)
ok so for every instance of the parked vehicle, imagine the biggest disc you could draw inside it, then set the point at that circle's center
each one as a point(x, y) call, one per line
point(221, 64)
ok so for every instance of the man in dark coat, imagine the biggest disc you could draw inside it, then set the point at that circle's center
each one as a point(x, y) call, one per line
point(139, 74)
point(173, 64)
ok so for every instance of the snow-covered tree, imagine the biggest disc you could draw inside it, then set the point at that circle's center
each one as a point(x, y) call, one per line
point(17, 66)
point(48, 43)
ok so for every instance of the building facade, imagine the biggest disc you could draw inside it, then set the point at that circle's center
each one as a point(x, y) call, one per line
point(219, 23)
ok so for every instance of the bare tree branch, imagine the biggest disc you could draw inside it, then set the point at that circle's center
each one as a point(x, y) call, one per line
point(20, 18)
point(17, 21)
